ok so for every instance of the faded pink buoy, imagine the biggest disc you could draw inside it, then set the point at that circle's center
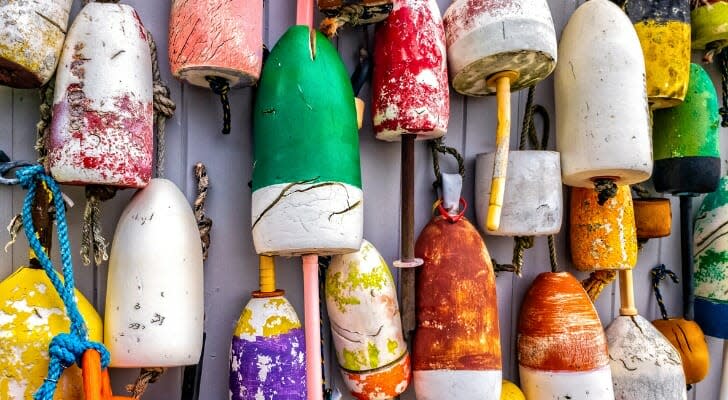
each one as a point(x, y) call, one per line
point(101, 132)
point(217, 44)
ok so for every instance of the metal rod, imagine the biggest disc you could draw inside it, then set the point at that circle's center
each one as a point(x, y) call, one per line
point(407, 277)
point(686, 244)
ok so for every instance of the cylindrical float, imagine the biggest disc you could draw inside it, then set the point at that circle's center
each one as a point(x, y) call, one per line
point(600, 59)
point(663, 27)
point(154, 296)
point(602, 237)
point(709, 29)
point(686, 140)
point(689, 340)
point(361, 300)
point(32, 314)
point(456, 350)
point(307, 196)
point(101, 132)
point(267, 355)
point(652, 217)
point(410, 89)
point(31, 40)
point(562, 349)
point(533, 203)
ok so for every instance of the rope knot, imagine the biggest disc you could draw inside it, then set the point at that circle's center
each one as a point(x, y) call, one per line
point(659, 273)
point(27, 175)
point(606, 189)
point(221, 87)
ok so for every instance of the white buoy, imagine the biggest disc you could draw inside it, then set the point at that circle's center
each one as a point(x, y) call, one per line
point(154, 297)
point(602, 117)
point(533, 203)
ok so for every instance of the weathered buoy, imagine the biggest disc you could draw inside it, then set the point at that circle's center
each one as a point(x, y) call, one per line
point(510, 391)
point(602, 237)
point(533, 203)
point(652, 217)
point(289, 127)
point(155, 283)
point(686, 140)
point(689, 340)
point(361, 300)
point(216, 44)
point(494, 47)
point(101, 132)
point(267, 355)
point(708, 22)
point(354, 12)
point(663, 28)
point(456, 350)
point(645, 366)
point(600, 59)
point(31, 40)
point(32, 314)
point(562, 349)
point(410, 89)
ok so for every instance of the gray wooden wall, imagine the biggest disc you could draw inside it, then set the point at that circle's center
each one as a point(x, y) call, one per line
point(231, 270)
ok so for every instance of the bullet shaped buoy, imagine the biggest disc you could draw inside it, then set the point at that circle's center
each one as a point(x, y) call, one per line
point(600, 59)
point(31, 40)
point(155, 283)
point(689, 340)
point(32, 314)
point(102, 107)
point(686, 141)
point(267, 355)
point(562, 349)
point(306, 152)
point(361, 300)
point(411, 94)
point(456, 351)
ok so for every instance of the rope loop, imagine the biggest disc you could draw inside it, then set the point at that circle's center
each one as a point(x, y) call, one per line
point(438, 146)
point(450, 217)
point(659, 273)
point(723, 68)
point(221, 87)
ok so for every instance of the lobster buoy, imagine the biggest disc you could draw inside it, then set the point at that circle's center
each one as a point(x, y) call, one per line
point(411, 93)
point(602, 237)
point(31, 41)
point(562, 349)
point(652, 217)
point(354, 12)
point(361, 300)
point(599, 139)
point(155, 286)
point(709, 29)
point(533, 204)
point(101, 133)
point(689, 340)
point(663, 28)
point(510, 391)
point(217, 44)
point(686, 140)
point(306, 152)
point(456, 350)
point(33, 314)
point(267, 355)
point(645, 366)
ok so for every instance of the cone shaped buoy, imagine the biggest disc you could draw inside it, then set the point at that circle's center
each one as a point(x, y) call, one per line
point(689, 340)
point(101, 131)
point(31, 40)
point(562, 349)
point(652, 217)
point(267, 355)
point(306, 152)
point(686, 140)
point(456, 350)
point(154, 295)
point(708, 24)
point(361, 300)
point(533, 204)
point(411, 93)
point(602, 237)
point(488, 37)
point(31, 314)
point(600, 59)
point(663, 28)
point(214, 38)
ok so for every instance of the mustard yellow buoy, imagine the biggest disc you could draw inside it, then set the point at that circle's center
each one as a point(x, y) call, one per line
point(510, 391)
point(653, 218)
point(31, 314)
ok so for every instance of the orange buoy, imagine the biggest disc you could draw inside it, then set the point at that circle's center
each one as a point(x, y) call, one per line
point(652, 217)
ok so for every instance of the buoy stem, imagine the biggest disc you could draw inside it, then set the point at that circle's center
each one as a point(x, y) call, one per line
point(314, 377)
point(686, 245)
point(626, 293)
point(267, 274)
point(304, 12)
point(502, 82)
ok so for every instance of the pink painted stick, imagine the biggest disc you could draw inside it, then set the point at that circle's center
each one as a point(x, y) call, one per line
point(304, 12)
point(312, 327)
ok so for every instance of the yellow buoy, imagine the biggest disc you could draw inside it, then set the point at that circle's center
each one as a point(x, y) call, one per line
point(510, 391)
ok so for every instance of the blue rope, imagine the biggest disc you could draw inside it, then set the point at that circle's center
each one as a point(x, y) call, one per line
point(67, 348)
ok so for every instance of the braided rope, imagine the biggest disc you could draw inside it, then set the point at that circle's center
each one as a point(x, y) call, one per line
point(221, 87)
point(438, 146)
point(146, 377)
point(163, 106)
point(92, 238)
point(660, 273)
point(204, 224)
point(723, 68)
point(597, 281)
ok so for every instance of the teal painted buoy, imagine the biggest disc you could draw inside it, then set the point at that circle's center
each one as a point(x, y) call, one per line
point(685, 140)
point(307, 196)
